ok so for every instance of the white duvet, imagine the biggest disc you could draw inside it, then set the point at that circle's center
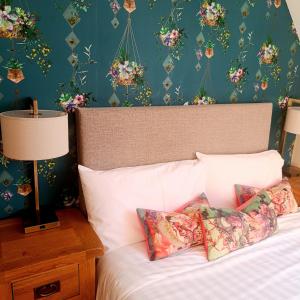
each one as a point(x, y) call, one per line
point(267, 270)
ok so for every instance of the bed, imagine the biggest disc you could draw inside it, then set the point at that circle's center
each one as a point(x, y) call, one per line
point(120, 137)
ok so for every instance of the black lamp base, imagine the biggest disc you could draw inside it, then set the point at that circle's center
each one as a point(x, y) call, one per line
point(46, 220)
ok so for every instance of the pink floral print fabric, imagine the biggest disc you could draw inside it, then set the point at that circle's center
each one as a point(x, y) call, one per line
point(227, 230)
point(170, 232)
point(282, 197)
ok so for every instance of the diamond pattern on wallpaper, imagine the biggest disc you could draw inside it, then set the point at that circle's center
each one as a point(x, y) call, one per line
point(73, 59)
point(114, 100)
point(115, 23)
point(167, 98)
point(6, 195)
point(293, 48)
point(5, 178)
point(291, 63)
point(72, 40)
point(243, 27)
point(8, 209)
point(233, 97)
point(198, 67)
point(71, 16)
point(200, 39)
point(167, 83)
point(258, 75)
point(168, 64)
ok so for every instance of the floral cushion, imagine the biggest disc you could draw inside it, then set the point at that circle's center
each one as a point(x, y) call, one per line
point(167, 233)
point(226, 230)
point(283, 200)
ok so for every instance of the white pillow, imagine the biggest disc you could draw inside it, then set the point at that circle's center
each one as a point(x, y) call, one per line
point(224, 171)
point(112, 196)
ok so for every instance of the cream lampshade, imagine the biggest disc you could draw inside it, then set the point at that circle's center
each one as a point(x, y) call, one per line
point(29, 137)
point(291, 125)
point(292, 122)
point(35, 135)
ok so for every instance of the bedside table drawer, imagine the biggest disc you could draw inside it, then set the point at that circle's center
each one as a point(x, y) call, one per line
point(60, 283)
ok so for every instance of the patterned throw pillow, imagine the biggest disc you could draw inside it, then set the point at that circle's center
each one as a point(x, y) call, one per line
point(168, 233)
point(283, 200)
point(226, 230)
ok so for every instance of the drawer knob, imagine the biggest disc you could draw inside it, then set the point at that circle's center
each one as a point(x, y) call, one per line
point(47, 290)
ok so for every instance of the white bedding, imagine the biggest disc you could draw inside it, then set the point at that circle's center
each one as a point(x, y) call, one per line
point(267, 270)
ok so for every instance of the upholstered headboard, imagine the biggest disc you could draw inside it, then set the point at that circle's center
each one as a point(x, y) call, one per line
point(119, 137)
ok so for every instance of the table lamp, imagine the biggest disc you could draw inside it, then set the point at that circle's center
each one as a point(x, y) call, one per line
point(35, 135)
point(291, 125)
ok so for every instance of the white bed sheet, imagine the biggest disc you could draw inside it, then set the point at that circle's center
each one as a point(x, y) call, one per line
point(267, 270)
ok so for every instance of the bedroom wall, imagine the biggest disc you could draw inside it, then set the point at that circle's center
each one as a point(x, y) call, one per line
point(243, 17)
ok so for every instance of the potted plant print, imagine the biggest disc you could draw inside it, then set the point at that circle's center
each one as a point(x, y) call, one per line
point(268, 53)
point(170, 37)
point(277, 3)
point(209, 50)
point(71, 95)
point(126, 72)
point(24, 186)
point(212, 14)
point(283, 102)
point(15, 23)
point(14, 70)
point(264, 83)
point(237, 74)
point(203, 99)
point(70, 103)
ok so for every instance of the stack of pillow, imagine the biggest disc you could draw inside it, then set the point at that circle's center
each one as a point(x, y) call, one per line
point(233, 202)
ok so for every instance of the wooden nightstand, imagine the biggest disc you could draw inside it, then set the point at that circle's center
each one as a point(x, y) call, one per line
point(58, 262)
point(295, 183)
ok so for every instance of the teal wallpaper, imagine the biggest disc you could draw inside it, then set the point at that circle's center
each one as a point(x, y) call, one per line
point(178, 52)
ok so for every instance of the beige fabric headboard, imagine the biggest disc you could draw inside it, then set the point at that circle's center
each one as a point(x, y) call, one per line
point(119, 137)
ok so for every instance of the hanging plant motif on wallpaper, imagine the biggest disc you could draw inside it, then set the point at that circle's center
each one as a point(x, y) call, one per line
point(171, 36)
point(78, 5)
point(237, 75)
point(209, 49)
point(212, 16)
point(14, 70)
point(268, 56)
point(202, 98)
point(21, 27)
point(238, 70)
point(24, 186)
point(115, 7)
point(72, 94)
point(126, 69)
point(126, 72)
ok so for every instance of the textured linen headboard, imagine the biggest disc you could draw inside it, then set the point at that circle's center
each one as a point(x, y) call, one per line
point(120, 137)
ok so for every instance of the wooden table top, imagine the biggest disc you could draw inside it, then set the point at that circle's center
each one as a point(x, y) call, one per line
point(75, 235)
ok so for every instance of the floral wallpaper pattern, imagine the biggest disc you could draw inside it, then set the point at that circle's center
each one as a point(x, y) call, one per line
point(187, 52)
